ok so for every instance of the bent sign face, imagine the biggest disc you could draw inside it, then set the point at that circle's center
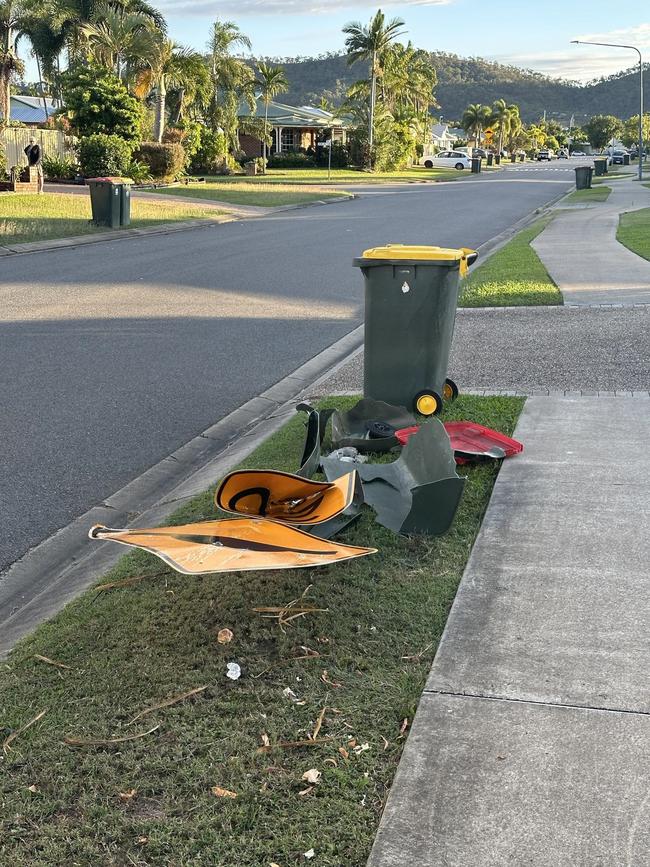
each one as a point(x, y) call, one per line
point(238, 545)
point(284, 496)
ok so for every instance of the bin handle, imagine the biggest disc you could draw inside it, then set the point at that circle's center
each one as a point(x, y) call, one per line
point(468, 259)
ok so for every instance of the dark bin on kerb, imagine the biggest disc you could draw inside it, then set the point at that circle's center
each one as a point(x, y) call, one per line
point(522, 157)
point(513, 158)
point(600, 166)
point(105, 201)
point(411, 295)
point(125, 203)
point(497, 159)
point(476, 165)
point(490, 159)
point(626, 159)
point(583, 177)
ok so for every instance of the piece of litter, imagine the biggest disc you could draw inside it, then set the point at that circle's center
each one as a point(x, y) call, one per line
point(218, 792)
point(126, 796)
point(361, 748)
point(309, 854)
point(311, 776)
point(225, 636)
point(307, 791)
point(32, 789)
point(287, 692)
point(265, 739)
point(233, 671)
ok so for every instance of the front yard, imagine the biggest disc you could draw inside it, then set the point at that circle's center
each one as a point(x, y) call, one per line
point(218, 779)
point(238, 190)
point(634, 232)
point(345, 176)
point(29, 217)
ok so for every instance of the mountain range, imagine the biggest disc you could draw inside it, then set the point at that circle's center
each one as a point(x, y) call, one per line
point(465, 80)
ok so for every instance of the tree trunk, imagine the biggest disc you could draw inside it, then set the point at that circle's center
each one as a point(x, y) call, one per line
point(161, 96)
point(266, 123)
point(4, 95)
point(373, 94)
point(181, 106)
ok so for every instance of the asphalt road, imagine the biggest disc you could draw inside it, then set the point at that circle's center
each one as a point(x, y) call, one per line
point(113, 355)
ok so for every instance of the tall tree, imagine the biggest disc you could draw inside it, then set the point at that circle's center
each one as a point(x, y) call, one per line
point(232, 80)
point(474, 119)
point(371, 43)
point(271, 82)
point(167, 65)
point(118, 39)
point(12, 13)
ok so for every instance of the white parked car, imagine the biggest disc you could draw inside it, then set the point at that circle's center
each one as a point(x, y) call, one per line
point(447, 159)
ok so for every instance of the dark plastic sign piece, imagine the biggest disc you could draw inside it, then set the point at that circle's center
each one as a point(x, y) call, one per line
point(361, 426)
point(238, 545)
point(284, 497)
point(316, 424)
point(419, 492)
point(471, 441)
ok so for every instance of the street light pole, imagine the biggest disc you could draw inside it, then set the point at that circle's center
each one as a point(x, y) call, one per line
point(631, 48)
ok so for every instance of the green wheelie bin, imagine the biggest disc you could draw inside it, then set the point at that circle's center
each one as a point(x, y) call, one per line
point(125, 202)
point(411, 294)
point(105, 201)
point(583, 177)
point(600, 165)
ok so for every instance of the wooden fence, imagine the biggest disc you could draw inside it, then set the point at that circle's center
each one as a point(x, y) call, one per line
point(52, 141)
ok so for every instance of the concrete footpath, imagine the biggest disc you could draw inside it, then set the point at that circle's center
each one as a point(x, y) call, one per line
point(531, 744)
point(581, 253)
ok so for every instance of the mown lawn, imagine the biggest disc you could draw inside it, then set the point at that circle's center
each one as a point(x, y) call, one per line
point(31, 217)
point(356, 666)
point(513, 276)
point(595, 194)
point(251, 191)
point(344, 176)
point(634, 231)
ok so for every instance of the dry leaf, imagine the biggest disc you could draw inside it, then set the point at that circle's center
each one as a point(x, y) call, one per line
point(344, 752)
point(311, 776)
point(225, 636)
point(51, 661)
point(265, 739)
point(306, 791)
point(218, 792)
point(12, 737)
point(361, 748)
point(168, 702)
point(332, 762)
point(81, 742)
point(273, 864)
point(385, 742)
point(126, 796)
point(501, 757)
point(403, 728)
point(325, 678)
point(287, 745)
point(352, 742)
point(319, 723)
point(142, 841)
point(32, 788)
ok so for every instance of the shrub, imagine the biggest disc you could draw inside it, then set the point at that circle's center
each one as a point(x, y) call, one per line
point(97, 101)
point(3, 163)
point(59, 168)
point(104, 155)
point(138, 172)
point(211, 154)
point(165, 161)
point(340, 156)
point(291, 160)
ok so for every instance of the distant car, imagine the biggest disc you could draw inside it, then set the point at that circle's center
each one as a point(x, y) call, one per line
point(618, 156)
point(578, 154)
point(545, 154)
point(479, 152)
point(447, 159)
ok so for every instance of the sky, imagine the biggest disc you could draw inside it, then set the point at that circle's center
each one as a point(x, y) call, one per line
point(520, 32)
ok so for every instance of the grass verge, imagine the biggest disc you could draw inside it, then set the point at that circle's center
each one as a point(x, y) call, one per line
point(363, 657)
point(249, 191)
point(595, 194)
point(513, 276)
point(634, 232)
point(416, 174)
point(29, 217)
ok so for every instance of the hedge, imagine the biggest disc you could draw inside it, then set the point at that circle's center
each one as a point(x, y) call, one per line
point(165, 161)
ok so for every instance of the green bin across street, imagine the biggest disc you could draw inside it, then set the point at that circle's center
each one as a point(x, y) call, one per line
point(583, 177)
point(110, 200)
point(411, 295)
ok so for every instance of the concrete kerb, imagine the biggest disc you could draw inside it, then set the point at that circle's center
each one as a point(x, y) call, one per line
point(57, 570)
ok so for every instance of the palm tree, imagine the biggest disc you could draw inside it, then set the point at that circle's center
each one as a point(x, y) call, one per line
point(371, 43)
point(232, 80)
point(474, 119)
point(271, 82)
point(168, 65)
point(12, 13)
point(118, 39)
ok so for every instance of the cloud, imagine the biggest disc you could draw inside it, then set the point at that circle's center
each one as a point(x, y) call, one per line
point(241, 8)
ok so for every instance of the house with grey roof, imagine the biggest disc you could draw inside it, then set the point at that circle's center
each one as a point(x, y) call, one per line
point(30, 110)
point(293, 128)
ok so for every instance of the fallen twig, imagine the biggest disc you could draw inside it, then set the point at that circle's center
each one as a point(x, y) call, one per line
point(319, 723)
point(81, 742)
point(291, 611)
point(312, 655)
point(51, 661)
point(124, 582)
point(12, 737)
point(287, 745)
point(417, 657)
point(168, 702)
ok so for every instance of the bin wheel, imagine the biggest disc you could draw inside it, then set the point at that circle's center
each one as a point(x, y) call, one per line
point(428, 164)
point(427, 402)
point(379, 429)
point(449, 390)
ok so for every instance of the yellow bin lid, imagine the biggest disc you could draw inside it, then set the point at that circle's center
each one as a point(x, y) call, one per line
point(414, 253)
